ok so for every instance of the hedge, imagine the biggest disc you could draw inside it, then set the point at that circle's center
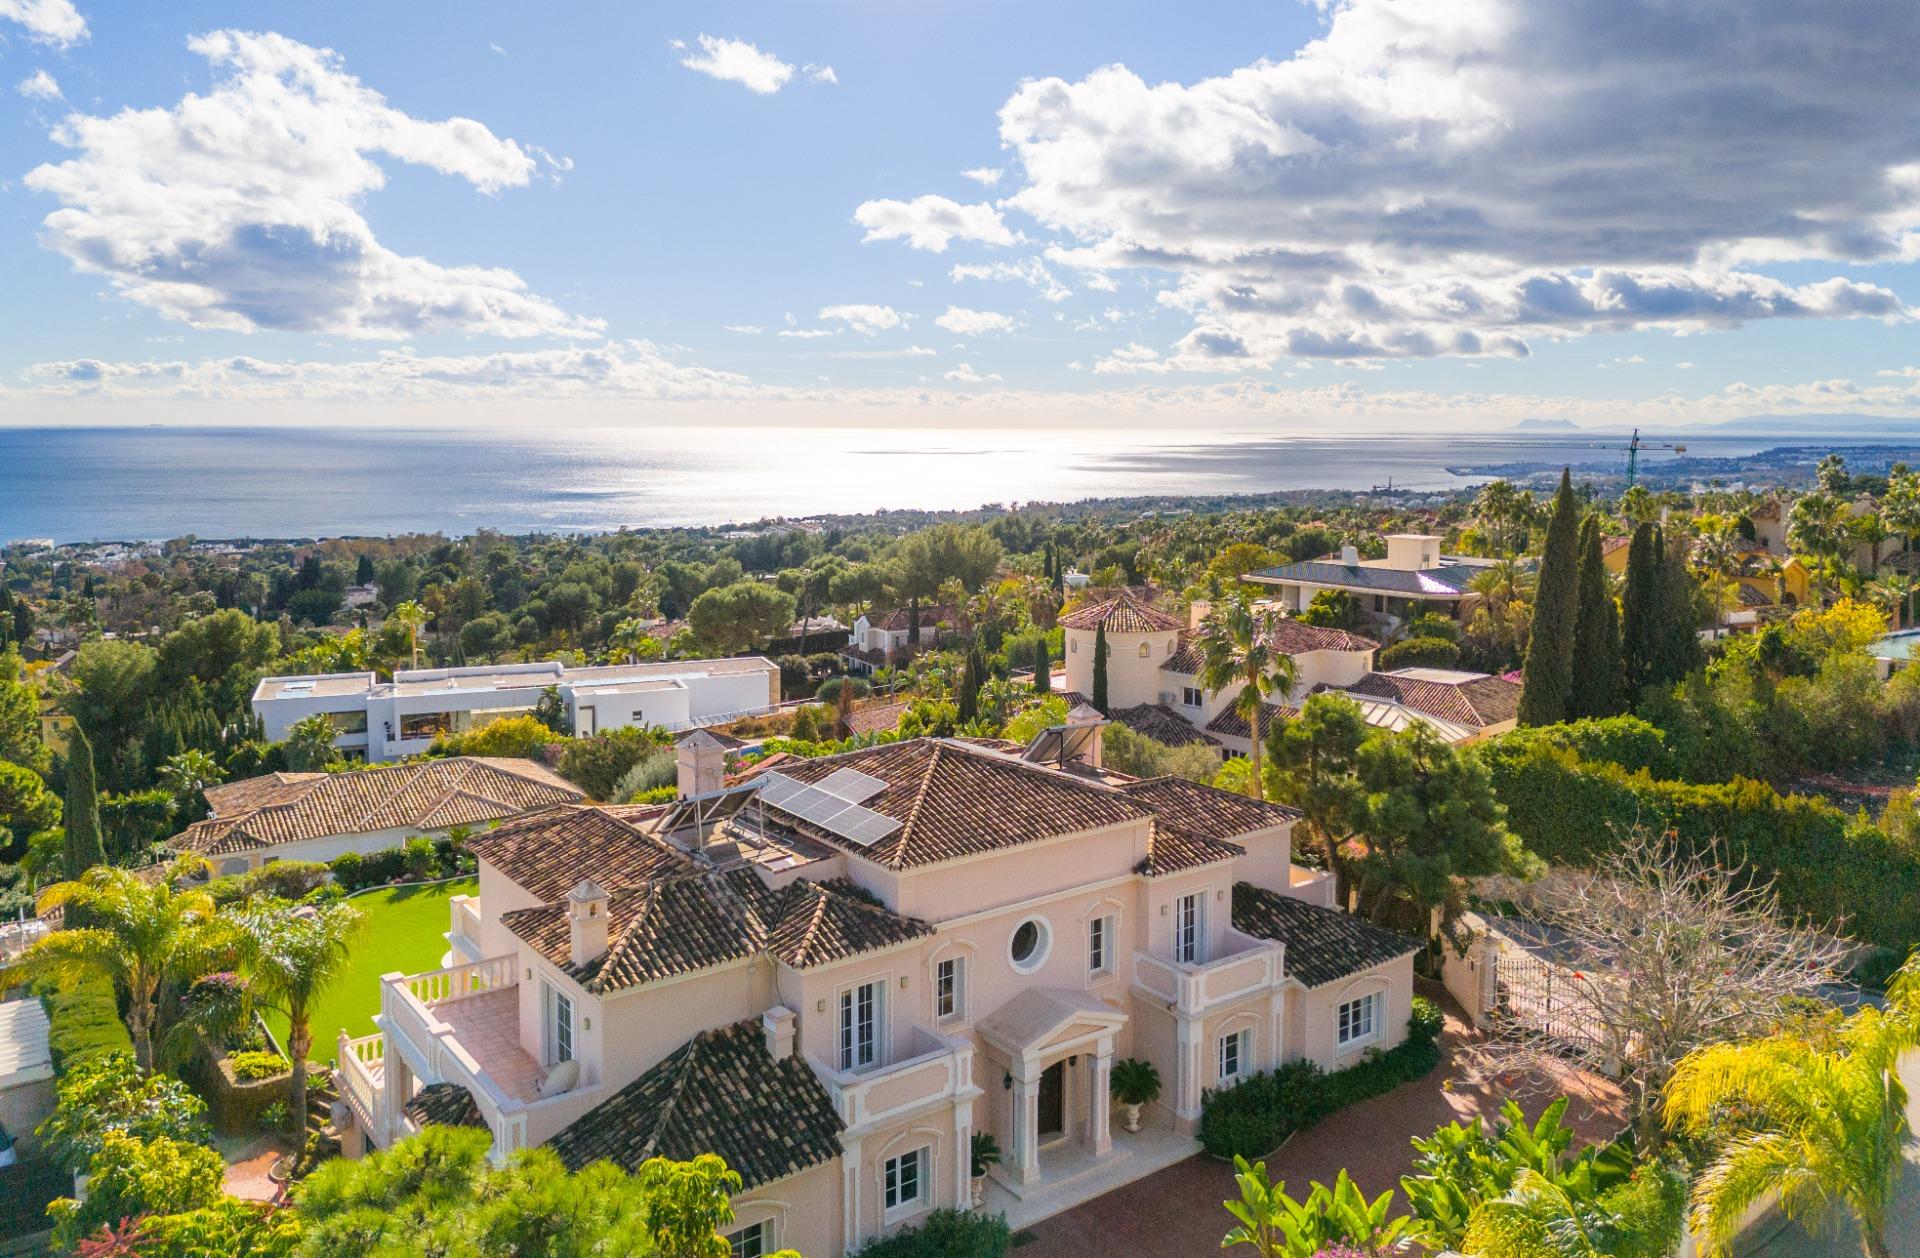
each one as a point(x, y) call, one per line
point(1251, 1118)
point(945, 1234)
point(1828, 866)
point(83, 1022)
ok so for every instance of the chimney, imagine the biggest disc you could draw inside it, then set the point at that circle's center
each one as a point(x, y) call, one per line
point(1197, 612)
point(777, 1024)
point(1350, 556)
point(703, 764)
point(1087, 717)
point(586, 923)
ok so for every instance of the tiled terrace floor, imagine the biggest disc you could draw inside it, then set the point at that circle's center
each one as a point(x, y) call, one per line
point(488, 1027)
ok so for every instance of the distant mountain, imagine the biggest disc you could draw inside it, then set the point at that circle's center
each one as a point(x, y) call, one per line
point(1544, 425)
point(1829, 427)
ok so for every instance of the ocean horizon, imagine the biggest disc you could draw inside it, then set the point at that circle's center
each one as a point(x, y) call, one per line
point(127, 484)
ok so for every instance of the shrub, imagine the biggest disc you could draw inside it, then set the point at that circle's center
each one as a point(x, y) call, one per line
point(84, 1023)
point(132, 1177)
point(249, 1067)
point(1420, 653)
point(597, 764)
point(1251, 1118)
point(287, 880)
point(945, 1234)
point(521, 736)
point(107, 1095)
point(418, 858)
point(660, 767)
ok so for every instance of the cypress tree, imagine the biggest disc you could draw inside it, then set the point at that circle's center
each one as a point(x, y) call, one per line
point(1549, 668)
point(363, 574)
point(84, 849)
point(1679, 651)
point(1042, 666)
point(1596, 633)
point(1100, 669)
point(972, 669)
point(1640, 610)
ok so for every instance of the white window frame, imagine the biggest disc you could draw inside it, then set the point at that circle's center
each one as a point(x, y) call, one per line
point(849, 1046)
point(1042, 948)
point(557, 1014)
point(1146, 650)
point(758, 1235)
point(894, 1180)
point(1191, 697)
point(1237, 1045)
point(1100, 930)
point(1190, 928)
point(950, 990)
point(1357, 1021)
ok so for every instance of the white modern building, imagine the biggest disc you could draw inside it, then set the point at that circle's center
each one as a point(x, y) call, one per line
point(384, 720)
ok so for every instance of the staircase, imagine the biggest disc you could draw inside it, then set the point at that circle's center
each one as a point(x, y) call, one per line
point(321, 1094)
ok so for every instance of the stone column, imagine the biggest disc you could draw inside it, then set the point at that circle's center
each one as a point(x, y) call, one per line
point(1100, 1099)
point(1026, 1129)
point(1186, 1087)
point(850, 1196)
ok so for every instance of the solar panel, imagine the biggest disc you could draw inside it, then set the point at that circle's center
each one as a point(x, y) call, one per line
point(707, 810)
point(868, 829)
point(777, 788)
point(852, 785)
point(1045, 746)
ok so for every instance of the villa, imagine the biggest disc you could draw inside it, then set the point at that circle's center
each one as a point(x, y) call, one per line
point(877, 637)
point(834, 972)
point(1413, 579)
point(318, 816)
point(1154, 688)
point(387, 720)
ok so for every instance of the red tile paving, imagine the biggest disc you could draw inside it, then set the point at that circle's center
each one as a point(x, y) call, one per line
point(1176, 1213)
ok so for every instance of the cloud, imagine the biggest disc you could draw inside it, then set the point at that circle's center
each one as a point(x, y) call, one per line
point(986, 176)
point(496, 48)
point(963, 373)
point(820, 74)
point(39, 86)
point(1029, 271)
point(1468, 178)
point(808, 334)
point(745, 329)
point(238, 210)
point(737, 61)
point(963, 322)
point(931, 222)
point(867, 319)
point(911, 351)
point(54, 22)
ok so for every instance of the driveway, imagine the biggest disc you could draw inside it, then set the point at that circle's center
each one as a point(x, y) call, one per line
point(1176, 1213)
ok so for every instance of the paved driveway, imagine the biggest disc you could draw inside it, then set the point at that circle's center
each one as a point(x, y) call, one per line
point(1176, 1213)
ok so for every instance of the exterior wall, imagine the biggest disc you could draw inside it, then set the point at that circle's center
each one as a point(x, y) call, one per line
point(25, 1106)
point(324, 848)
point(1312, 1013)
point(943, 893)
point(1269, 859)
point(500, 894)
point(1255, 1014)
point(657, 705)
point(803, 1210)
point(933, 1131)
point(1132, 678)
point(633, 1030)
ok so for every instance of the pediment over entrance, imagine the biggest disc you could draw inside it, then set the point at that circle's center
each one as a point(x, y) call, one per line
point(1041, 1017)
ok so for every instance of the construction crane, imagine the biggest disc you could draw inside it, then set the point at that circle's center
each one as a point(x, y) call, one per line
point(1633, 446)
point(1633, 453)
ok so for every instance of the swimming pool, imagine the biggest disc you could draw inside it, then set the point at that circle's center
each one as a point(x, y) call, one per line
point(1896, 646)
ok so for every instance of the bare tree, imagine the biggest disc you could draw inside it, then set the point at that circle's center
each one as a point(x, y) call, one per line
point(1628, 967)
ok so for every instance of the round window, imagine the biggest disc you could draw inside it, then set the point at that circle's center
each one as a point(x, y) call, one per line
point(1029, 948)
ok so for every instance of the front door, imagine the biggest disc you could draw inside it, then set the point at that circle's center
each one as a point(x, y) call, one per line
point(1053, 1101)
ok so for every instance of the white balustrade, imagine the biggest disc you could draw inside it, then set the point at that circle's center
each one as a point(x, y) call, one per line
point(928, 1068)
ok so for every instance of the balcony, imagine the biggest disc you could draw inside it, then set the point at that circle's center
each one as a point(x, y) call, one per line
point(457, 1025)
point(1194, 988)
point(927, 1068)
point(463, 940)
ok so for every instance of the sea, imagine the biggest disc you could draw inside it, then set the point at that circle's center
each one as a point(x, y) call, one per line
point(136, 484)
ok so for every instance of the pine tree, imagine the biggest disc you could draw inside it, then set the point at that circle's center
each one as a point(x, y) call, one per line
point(1100, 669)
point(1640, 609)
point(1596, 633)
point(84, 849)
point(1549, 669)
point(1042, 666)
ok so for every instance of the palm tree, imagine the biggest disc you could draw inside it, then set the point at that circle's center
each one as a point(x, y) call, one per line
point(413, 618)
point(186, 776)
point(1893, 594)
point(292, 955)
point(626, 638)
point(142, 935)
point(1821, 1125)
point(1236, 645)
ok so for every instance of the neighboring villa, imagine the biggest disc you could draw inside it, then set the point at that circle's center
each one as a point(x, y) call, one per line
point(318, 816)
point(386, 720)
point(1413, 579)
point(877, 637)
point(1153, 679)
point(834, 972)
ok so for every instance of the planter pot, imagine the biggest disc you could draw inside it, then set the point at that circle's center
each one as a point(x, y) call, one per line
point(979, 1191)
point(1133, 1116)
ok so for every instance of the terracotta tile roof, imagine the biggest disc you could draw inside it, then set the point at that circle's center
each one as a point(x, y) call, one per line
point(1294, 637)
point(901, 618)
point(1476, 703)
point(720, 1092)
point(1449, 580)
point(878, 718)
point(1123, 614)
point(1172, 849)
point(954, 801)
point(1323, 945)
point(444, 1105)
point(693, 920)
point(876, 656)
point(549, 853)
point(1608, 545)
point(1162, 724)
point(1187, 660)
point(1206, 810)
point(425, 795)
point(1229, 722)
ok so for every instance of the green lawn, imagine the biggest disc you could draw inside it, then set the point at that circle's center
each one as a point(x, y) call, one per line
point(406, 931)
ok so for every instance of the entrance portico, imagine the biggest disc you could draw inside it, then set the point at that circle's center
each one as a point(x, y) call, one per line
point(1055, 1050)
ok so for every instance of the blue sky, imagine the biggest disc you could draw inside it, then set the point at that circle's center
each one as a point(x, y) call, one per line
point(1231, 215)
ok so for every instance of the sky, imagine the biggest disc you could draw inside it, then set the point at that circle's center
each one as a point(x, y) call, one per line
point(1344, 214)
